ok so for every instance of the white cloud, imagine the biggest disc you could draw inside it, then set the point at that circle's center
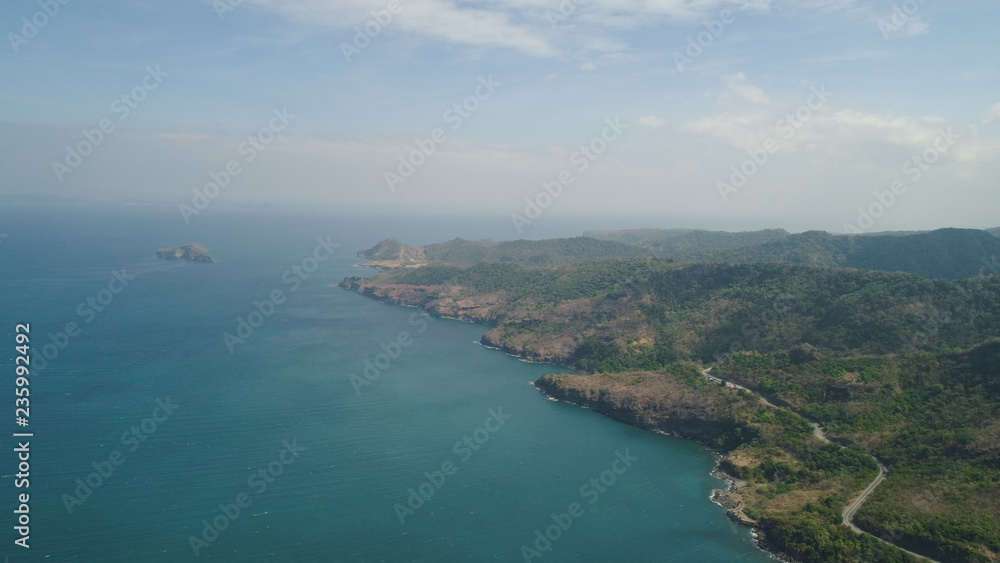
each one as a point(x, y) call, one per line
point(839, 133)
point(538, 27)
point(651, 121)
point(436, 19)
point(741, 87)
point(916, 26)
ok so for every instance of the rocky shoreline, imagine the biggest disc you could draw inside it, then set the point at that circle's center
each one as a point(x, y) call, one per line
point(728, 498)
point(694, 428)
point(698, 430)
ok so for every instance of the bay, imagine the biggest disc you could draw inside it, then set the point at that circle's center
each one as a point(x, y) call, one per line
point(359, 450)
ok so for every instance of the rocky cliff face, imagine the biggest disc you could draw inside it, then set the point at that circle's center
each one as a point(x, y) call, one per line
point(647, 400)
point(491, 309)
point(662, 402)
point(438, 300)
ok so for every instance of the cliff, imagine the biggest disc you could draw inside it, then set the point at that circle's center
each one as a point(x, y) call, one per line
point(679, 402)
point(495, 309)
point(660, 401)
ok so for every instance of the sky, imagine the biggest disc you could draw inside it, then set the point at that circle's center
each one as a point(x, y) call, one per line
point(840, 115)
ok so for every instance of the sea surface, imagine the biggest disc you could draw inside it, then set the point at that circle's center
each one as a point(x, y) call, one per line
point(339, 457)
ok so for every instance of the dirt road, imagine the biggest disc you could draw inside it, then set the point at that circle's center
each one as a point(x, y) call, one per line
point(856, 505)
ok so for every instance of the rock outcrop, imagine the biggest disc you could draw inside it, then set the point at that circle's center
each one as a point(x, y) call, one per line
point(192, 252)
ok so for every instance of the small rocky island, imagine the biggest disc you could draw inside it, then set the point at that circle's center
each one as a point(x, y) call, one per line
point(192, 252)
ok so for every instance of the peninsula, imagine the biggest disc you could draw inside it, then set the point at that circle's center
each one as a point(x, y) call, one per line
point(854, 396)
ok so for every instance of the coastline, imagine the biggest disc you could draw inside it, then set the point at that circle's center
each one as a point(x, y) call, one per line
point(716, 496)
point(727, 498)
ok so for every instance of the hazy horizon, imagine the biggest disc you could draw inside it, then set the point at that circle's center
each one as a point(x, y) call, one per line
point(706, 114)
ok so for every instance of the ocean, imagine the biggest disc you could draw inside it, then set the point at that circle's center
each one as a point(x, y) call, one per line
point(250, 411)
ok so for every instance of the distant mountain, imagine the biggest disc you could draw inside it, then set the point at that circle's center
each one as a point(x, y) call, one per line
point(391, 253)
point(942, 254)
point(688, 244)
point(945, 253)
point(995, 232)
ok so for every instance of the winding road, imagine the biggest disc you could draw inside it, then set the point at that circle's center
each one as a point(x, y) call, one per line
point(851, 509)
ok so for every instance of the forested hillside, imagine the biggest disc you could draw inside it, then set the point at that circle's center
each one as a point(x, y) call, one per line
point(932, 419)
point(391, 253)
point(893, 365)
point(688, 244)
point(641, 314)
point(945, 253)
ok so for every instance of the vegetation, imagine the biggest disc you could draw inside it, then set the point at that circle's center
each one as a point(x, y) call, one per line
point(391, 253)
point(892, 365)
point(933, 419)
point(688, 244)
point(645, 313)
point(946, 253)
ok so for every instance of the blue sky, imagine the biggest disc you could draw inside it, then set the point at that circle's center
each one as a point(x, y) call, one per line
point(560, 78)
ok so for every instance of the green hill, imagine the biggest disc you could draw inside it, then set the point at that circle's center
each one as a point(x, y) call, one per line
point(391, 253)
point(932, 419)
point(945, 253)
point(892, 364)
point(688, 244)
point(644, 313)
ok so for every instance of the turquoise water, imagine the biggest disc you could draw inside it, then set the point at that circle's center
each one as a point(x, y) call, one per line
point(356, 455)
